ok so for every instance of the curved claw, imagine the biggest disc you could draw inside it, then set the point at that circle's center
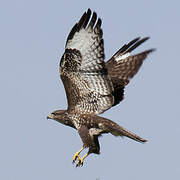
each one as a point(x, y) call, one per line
point(75, 157)
point(81, 160)
point(80, 163)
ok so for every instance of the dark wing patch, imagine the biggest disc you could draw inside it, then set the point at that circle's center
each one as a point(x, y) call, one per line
point(82, 68)
point(122, 67)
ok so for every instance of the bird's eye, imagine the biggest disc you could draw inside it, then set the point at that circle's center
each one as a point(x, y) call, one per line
point(53, 113)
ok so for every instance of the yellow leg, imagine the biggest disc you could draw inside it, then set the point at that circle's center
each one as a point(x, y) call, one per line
point(81, 160)
point(76, 155)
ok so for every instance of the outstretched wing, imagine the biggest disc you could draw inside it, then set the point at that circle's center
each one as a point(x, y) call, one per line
point(122, 67)
point(82, 68)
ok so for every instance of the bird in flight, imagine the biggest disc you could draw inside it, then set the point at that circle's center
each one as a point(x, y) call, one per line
point(92, 85)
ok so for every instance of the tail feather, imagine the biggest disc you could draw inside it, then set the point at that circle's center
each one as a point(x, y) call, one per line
point(108, 126)
point(120, 131)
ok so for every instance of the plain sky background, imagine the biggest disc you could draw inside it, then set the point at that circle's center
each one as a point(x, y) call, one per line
point(32, 39)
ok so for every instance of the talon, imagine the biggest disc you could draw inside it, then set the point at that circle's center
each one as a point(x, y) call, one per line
point(76, 155)
point(80, 160)
point(80, 163)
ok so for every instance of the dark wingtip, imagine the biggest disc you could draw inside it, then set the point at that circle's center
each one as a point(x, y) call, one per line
point(146, 38)
point(93, 20)
point(136, 44)
point(143, 141)
point(133, 41)
point(89, 10)
point(148, 51)
point(129, 47)
point(153, 49)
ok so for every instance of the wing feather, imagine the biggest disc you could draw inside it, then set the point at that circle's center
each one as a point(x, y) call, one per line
point(82, 68)
point(122, 67)
point(91, 85)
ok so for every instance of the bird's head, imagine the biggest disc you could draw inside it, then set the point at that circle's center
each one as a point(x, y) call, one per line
point(60, 116)
point(56, 115)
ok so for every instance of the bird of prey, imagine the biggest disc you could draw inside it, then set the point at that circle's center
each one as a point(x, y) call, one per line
point(92, 85)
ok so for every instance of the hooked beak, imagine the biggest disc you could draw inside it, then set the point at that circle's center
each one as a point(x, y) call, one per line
point(50, 116)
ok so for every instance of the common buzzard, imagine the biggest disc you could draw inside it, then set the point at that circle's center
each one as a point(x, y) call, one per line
point(92, 85)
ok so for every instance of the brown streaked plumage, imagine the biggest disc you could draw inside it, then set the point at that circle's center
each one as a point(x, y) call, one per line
point(93, 86)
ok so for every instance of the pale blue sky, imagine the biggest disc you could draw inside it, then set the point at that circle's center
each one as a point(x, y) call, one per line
point(32, 38)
